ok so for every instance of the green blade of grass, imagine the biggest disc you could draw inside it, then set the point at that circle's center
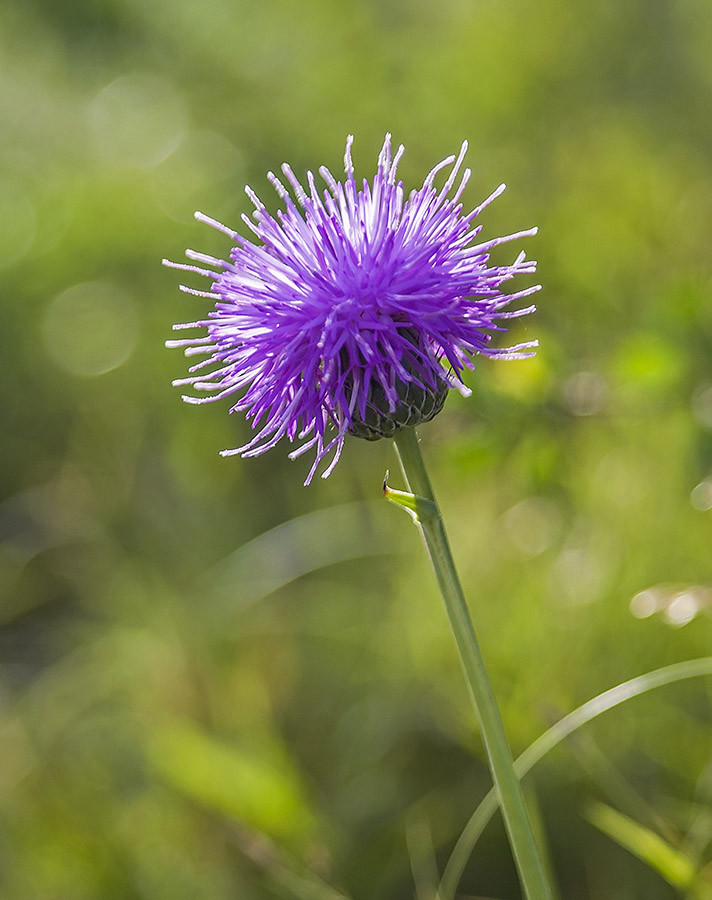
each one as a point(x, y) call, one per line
point(672, 864)
point(609, 699)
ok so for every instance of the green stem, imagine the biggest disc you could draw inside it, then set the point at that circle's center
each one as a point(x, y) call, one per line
point(511, 799)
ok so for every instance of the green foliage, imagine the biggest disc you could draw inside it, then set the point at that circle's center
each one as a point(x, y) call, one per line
point(674, 865)
point(217, 683)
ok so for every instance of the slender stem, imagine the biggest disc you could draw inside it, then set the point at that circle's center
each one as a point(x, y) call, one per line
point(511, 799)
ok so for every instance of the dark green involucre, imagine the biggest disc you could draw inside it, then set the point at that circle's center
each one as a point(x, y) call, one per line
point(417, 405)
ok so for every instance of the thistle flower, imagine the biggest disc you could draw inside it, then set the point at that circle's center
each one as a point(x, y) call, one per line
point(355, 310)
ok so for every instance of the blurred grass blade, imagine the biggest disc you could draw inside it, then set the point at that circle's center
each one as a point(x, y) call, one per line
point(285, 875)
point(609, 699)
point(616, 788)
point(423, 865)
point(301, 545)
point(260, 789)
point(676, 868)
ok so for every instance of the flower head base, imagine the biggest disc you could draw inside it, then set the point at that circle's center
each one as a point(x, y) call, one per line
point(356, 311)
point(416, 403)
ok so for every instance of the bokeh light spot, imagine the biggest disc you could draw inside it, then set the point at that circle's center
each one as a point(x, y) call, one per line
point(702, 406)
point(17, 223)
point(200, 174)
point(644, 604)
point(676, 604)
point(579, 575)
point(701, 495)
point(137, 120)
point(682, 609)
point(90, 328)
point(585, 393)
point(533, 525)
point(622, 478)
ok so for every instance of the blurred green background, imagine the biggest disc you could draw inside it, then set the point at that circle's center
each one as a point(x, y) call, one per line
point(216, 683)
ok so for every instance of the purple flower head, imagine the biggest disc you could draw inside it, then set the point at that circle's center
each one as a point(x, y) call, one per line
point(355, 310)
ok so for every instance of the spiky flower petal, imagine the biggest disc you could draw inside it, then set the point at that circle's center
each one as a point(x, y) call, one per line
point(355, 310)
